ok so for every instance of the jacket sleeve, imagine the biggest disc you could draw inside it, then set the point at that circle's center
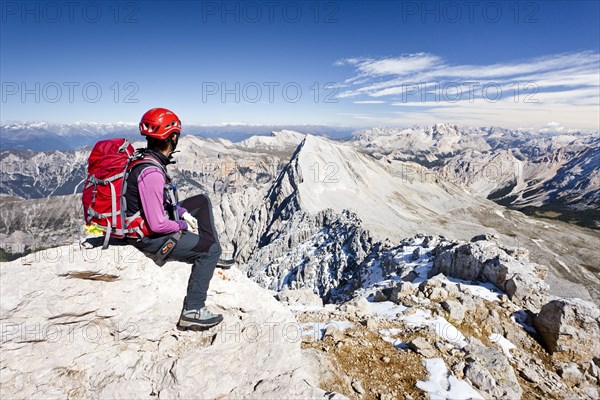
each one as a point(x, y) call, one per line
point(151, 183)
point(181, 210)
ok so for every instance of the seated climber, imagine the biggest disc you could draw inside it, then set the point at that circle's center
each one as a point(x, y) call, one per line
point(185, 231)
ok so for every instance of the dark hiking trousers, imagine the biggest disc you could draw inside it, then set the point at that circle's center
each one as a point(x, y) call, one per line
point(202, 250)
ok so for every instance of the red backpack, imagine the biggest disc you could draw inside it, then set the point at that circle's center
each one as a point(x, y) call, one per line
point(103, 193)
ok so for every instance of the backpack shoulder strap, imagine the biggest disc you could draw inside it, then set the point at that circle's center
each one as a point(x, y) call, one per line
point(136, 159)
point(140, 159)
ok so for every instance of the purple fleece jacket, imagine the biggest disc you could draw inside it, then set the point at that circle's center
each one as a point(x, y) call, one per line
point(151, 184)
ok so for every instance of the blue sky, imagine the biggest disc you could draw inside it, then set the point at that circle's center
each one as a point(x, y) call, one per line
point(351, 63)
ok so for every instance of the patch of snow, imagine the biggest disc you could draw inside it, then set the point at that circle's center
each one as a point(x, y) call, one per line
point(386, 334)
point(503, 342)
point(390, 332)
point(446, 330)
point(499, 213)
point(442, 385)
point(423, 271)
point(397, 343)
point(485, 290)
point(374, 274)
point(519, 318)
point(418, 317)
point(387, 309)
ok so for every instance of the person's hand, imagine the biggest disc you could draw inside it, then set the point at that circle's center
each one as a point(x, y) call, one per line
point(191, 222)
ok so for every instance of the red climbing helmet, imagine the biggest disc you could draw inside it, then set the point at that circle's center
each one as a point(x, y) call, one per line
point(159, 123)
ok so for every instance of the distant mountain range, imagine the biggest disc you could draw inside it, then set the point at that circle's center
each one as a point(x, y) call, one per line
point(44, 136)
point(549, 174)
point(553, 174)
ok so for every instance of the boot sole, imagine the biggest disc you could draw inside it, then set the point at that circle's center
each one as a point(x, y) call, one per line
point(225, 264)
point(195, 326)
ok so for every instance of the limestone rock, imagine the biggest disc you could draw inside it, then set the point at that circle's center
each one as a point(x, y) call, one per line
point(335, 333)
point(321, 369)
point(486, 261)
point(434, 289)
point(591, 391)
point(417, 253)
point(358, 305)
point(401, 290)
point(300, 297)
point(380, 296)
point(530, 374)
point(570, 374)
point(455, 308)
point(339, 244)
point(409, 276)
point(489, 371)
point(422, 346)
point(522, 289)
point(570, 328)
point(485, 236)
point(104, 322)
point(358, 387)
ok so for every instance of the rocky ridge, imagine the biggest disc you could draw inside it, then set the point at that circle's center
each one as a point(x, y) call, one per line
point(104, 322)
point(486, 341)
point(554, 172)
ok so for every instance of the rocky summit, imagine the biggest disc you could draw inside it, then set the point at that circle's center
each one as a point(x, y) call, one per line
point(101, 324)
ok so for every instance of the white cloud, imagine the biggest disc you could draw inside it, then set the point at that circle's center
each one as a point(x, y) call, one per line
point(553, 127)
point(564, 87)
point(402, 65)
point(369, 102)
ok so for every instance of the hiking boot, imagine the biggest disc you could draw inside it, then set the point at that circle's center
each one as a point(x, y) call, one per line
point(225, 264)
point(198, 319)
